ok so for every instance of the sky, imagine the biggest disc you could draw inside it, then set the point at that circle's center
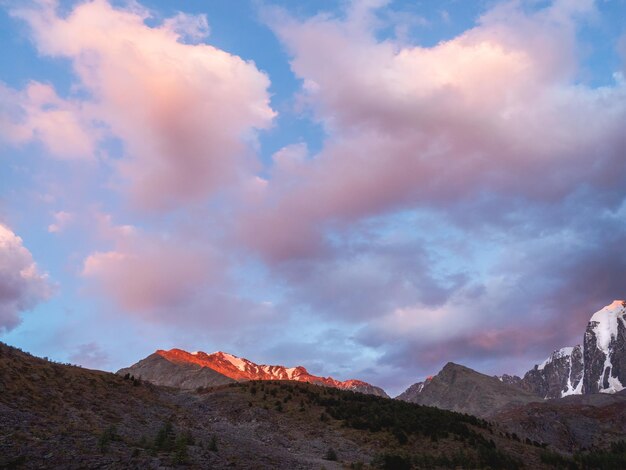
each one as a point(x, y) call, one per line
point(367, 188)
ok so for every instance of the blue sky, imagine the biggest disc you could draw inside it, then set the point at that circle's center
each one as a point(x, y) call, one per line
point(368, 188)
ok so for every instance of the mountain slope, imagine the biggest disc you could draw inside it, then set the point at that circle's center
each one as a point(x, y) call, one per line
point(183, 369)
point(160, 370)
point(462, 389)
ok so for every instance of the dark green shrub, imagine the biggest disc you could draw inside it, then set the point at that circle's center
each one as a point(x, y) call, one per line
point(164, 440)
point(107, 436)
point(331, 454)
point(213, 444)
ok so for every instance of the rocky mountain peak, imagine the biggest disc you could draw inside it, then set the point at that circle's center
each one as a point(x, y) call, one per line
point(462, 389)
point(598, 365)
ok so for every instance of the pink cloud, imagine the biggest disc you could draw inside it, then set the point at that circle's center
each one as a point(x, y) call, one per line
point(183, 111)
point(61, 220)
point(496, 109)
point(38, 113)
point(22, 285)
point(145, 272)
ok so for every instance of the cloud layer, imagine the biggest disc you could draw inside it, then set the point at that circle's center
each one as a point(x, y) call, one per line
point(466, 200)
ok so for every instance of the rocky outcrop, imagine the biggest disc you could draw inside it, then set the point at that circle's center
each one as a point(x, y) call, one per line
point(462, 389)
point(411, 393)
point(509, 379)
point(182, 369)
point(558, 376)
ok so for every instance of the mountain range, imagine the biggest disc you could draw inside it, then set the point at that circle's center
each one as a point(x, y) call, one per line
point(597, 365)
point(189, 370)
point(173, 407)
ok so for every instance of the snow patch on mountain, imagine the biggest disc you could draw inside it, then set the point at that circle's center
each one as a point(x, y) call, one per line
point(606, 323)
point(558, 354)
point(236, 361)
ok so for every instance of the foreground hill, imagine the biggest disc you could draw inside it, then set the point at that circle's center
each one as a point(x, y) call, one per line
point(182, 369)
point(61, 416)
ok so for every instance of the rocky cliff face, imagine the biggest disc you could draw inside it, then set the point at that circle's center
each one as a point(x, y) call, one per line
point(509, 379)
point(182, 369)
point(605, 350)
point(462, 389)
point(558, 376)
point(599, 365)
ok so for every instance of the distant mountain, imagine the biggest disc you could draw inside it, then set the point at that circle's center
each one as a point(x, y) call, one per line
point(599, 365)
point(189, 370)
point(462, 389)
point(509, 379)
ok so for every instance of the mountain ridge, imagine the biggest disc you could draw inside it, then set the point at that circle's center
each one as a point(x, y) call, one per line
point(179, 368)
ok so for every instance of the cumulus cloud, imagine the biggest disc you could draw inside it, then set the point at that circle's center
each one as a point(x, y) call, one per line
point(147, 273)
point(38, 113)
point(496, 110)
point(61, 220)
point(183, 111)
point(22, 285)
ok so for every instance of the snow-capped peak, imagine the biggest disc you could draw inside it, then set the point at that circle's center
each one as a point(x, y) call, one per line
point(606, 319)
point(239, 368)
point(559, 353)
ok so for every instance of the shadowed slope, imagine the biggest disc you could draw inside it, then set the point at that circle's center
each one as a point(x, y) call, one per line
point(462, 389)
point(166, 371)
